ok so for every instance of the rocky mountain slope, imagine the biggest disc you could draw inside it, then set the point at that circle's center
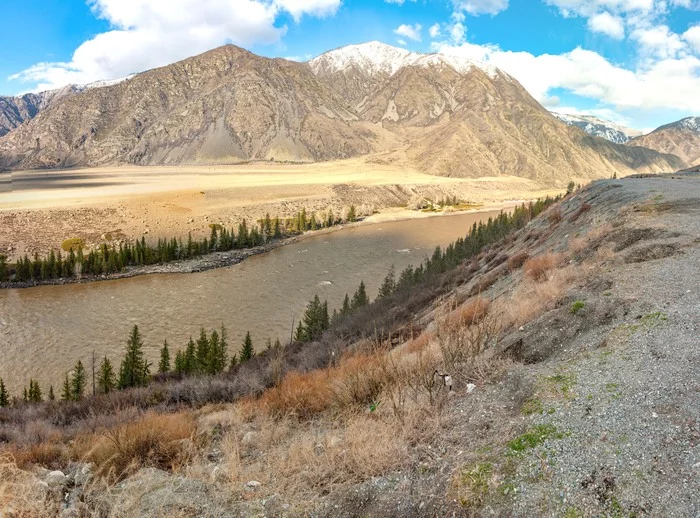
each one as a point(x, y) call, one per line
point(681, 138)
point(16, 110)
point(434, 113)
point(599, 127)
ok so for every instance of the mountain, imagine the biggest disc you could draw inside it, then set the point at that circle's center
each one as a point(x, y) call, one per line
point(599, 127)
point(440, 114)
point(227, 105)
point(16, 110)
point(681, 138)
point(19, 109)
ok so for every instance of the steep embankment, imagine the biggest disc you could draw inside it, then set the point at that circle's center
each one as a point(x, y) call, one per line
point(573, 350)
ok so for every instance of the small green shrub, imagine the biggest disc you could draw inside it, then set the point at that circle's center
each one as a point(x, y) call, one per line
point(534, 437)
point(577, 306)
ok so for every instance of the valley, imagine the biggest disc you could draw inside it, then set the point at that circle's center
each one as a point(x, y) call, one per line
point(129, 202)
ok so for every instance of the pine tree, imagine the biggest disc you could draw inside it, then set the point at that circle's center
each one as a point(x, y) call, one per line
point(180, 363)
point(346, 306)
point(34, 395)
point(164, 364)
point(78, 381)
point(360, 298)
point(67, 392)
point(52, 396)
point(232, 364)
point(190, 363)
point(3, 268)
point(351, 216)
point(389, 284)
point(217, 351)
point(202, 362)
point(106, 379)
point(247, 351)
point(134, 368)
point(4, 396)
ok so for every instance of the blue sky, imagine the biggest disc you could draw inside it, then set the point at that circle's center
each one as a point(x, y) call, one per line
point(633, 61)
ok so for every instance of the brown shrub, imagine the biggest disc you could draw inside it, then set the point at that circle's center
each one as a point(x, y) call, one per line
point(538, 267)
point(300, 395)
point(517, 260)
point(158, 440)
point(49, 455)
point(554, 215)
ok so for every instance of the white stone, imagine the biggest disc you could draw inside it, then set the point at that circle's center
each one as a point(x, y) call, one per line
point(56, 478)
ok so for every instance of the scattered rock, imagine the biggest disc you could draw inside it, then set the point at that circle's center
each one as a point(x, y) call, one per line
point(56, 479)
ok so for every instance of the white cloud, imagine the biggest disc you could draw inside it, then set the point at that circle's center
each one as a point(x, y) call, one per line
point(692, 36)
point(399, 2)
point(402, 42)
point(151, 33)
point(412, 32)
point(659, 42)
point(608, 24)
point(670, 83)
point(477, 7)
point(435, 31)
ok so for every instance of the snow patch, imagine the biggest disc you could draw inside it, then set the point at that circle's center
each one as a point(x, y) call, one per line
point(376, 58)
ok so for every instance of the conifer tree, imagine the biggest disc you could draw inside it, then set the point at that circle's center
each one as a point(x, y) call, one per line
point(179, 363)
point(360, 298)
point(232, 364)
point(190, 363)
point(34, 395)
point(4, 395)
point(389, 284)
point(134, 368)
point(164, 363)
point(78, 381)
point(247, 351)
point(346, 306)
point(67, 392)
point(106, 380)
point(202, 361)
point(218, 355)
point(351, 216)
point(52, 396)
point(3, 269)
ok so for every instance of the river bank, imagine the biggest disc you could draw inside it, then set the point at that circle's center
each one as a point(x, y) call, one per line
point(225, 259)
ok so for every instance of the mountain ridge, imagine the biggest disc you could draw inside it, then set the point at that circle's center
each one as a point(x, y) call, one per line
point(229, 105)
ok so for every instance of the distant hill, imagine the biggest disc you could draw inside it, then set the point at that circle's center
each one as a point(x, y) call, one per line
point(599, 127)
point(681, 138)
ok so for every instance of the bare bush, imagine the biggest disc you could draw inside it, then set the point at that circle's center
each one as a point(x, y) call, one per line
point(162, 441)
point(538, 267)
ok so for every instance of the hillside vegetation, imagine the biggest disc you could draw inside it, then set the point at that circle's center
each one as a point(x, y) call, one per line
point(571, 344)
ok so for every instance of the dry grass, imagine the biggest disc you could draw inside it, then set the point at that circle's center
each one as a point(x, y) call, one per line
point(517, 260)
point(533, 297)
point(158, 440)
point(585, 207)
point(538, 267)
point(21, 494)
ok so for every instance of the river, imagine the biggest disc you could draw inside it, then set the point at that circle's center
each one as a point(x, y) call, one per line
point(45, 330)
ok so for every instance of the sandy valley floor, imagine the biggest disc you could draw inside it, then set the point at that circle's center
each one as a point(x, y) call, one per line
point(39, 209)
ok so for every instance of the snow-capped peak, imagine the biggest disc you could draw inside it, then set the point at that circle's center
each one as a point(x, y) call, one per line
point(375, 57)
point(599, 127)
point(691, 123)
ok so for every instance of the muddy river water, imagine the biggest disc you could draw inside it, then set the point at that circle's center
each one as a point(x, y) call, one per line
point(45, 330)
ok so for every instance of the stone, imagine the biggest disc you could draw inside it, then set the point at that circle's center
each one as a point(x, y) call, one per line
point(56, 478)
point(253, 485)
point(250, 438)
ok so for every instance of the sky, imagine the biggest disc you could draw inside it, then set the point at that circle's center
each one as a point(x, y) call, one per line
point(635, 62)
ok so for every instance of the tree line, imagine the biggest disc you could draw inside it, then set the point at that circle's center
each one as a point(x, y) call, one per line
point(208, 355)
point(109, 258)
